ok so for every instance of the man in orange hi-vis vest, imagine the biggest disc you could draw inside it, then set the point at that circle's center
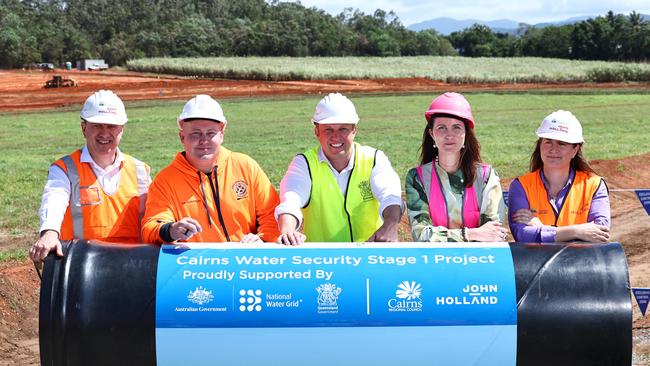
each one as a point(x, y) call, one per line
point(96, 192)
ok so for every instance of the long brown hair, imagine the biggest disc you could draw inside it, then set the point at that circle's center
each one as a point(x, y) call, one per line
point(578, 163)
point(470, 155)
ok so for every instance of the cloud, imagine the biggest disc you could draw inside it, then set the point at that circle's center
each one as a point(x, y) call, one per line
point(533, 11)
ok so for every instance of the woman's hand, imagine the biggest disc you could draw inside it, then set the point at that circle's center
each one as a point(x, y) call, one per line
point(589, 232)
point(490, 231)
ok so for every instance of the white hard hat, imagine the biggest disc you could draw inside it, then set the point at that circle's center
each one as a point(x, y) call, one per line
point(104, 107)
point(335, 108)
point(562, 126)
point(202, 107)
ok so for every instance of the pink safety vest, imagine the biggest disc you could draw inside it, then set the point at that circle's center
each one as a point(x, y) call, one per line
point(438, 203)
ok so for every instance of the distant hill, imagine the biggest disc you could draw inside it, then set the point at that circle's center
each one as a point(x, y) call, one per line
point(446, 26)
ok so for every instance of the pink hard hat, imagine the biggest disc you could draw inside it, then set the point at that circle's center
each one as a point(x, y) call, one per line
point(453, 104)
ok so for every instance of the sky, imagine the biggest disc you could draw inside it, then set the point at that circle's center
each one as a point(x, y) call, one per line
point(528, 11)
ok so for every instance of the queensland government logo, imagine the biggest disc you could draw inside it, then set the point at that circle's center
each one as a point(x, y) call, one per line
point(366, 190)
point(328, 295)
point(407, 297)
point(200, 296)
point(250, 300)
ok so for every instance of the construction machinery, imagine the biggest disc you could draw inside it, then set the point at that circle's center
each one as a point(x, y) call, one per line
point(58, 81)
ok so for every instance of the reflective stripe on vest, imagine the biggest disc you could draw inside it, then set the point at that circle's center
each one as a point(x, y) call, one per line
point(75, 196)
point(438, 202)
point(576, 205)
point(142, 175)
point(331, 217)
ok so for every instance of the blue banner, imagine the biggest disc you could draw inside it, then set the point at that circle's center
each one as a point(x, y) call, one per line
point(505, 197)
point(243, 297)
point(644, 197)
point(642, 296)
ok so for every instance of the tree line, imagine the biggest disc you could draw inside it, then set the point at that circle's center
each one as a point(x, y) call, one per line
point(613, 37)
point(118, 30)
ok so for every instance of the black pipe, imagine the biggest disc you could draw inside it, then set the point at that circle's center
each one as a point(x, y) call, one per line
point(574, 308)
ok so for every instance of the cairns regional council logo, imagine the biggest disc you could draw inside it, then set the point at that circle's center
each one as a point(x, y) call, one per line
point(408, 297)
point(200, 296)
point(328, 295)
point(250, 300)
point(241, 189)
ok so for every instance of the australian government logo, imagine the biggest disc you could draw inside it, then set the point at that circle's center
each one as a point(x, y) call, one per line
point(328, 295)
point(408, 297)
point(200, 297)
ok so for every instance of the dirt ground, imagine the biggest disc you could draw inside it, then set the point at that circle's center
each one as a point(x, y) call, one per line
point(22, 90)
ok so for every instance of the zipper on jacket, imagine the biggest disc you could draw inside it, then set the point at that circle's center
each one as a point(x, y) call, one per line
point(217, 202)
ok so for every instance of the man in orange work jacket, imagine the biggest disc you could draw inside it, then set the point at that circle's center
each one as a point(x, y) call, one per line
point(96, 192)
point(209, 193)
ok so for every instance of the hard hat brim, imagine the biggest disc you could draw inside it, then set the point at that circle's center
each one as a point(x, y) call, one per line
point(469, 119)
point(560, 137)
point(106, 120)
point(335, 121)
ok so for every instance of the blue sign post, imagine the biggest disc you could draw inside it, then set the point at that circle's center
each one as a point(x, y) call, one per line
point(325, 304)
point(644, 197)
point(642, 296)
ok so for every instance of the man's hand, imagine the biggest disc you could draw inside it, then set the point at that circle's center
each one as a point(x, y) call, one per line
point(292, 237)
point(288, 225)
point(48, 242)
point(388, 231)
point(184, 229)
point(251, 238)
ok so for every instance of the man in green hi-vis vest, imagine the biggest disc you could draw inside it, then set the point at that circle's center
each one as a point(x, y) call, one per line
point(343, 191)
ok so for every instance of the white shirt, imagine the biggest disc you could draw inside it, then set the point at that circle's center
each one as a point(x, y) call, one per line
point(295, 187)
point(56, 195)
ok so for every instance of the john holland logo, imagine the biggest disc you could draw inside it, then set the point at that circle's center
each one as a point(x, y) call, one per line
point(328, 295)
point(200, 296)
point(407, 297)
point(250, 300)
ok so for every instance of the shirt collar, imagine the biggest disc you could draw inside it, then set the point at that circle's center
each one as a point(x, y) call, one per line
point(86, 158)
point(572, 174)
point(323, 158)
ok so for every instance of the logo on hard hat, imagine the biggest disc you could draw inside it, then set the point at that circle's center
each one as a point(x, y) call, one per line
point(241, 189)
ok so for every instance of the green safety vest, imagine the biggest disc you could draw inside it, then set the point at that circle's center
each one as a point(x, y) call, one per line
point(331, 217)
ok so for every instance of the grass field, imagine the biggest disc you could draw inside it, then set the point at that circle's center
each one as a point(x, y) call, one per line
point(273, 130)
point(444, 68)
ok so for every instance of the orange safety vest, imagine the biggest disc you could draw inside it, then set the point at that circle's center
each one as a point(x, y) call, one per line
point(93, 214)
point(576, 205)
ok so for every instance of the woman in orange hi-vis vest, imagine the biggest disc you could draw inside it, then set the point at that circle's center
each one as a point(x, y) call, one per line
point(561, 198)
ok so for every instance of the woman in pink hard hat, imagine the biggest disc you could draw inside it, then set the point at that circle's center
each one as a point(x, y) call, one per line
point(451, 195)
point(561, 198)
